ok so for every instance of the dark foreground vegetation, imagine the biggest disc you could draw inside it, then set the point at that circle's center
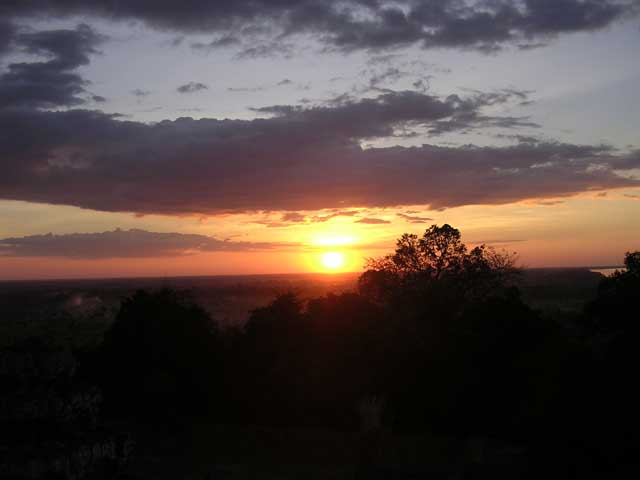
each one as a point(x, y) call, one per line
point(435, 367)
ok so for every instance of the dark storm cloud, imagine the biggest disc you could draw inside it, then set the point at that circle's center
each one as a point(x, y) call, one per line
point(124, 243)
point(297, 159)
point(192, 87)
point(50, 83)
point(485, 25)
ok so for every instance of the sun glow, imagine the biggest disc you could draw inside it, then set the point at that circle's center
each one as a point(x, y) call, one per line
point(334, 241)
point(333, 260)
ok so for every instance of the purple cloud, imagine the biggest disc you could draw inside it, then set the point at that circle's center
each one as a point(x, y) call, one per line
point(124, 244)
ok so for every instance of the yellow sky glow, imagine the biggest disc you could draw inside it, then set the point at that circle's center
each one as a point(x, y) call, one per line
point(588, 229)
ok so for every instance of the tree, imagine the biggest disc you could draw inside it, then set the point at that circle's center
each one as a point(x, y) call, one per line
point(616, 307)
point(160, 354)
point(442, 249)
point(613, 318)
point(439, 255)
point(438, 250)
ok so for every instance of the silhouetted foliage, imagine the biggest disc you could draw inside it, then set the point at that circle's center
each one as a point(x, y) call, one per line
point(437, 338)
point(50, 419)
point(613, 318)
point(160, 355)
point(434, 264)
point(616, 307)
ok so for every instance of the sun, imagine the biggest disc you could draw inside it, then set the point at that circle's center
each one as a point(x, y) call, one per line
point(333, 260)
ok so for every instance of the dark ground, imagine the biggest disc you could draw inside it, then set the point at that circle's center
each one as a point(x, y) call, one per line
point(77, 313)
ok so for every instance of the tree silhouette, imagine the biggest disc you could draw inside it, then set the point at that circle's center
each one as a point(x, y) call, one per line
point(437, 258)
point(616, 307)
point(160, 354)
point(613, 318)
point(437, 251)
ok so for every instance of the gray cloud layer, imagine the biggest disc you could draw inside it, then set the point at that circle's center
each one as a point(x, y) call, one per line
point(7, 32)
point(123, 243)
point(355, 24)
point(50, 83)
point(297, 160)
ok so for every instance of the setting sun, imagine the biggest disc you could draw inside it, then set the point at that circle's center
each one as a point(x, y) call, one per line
point(333, 260)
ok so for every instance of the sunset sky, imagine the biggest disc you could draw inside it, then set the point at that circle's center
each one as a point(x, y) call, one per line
point(170, 138)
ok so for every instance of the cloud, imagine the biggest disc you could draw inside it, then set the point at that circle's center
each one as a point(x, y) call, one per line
point(372, 221)
point(294, 217)
point(531, 46)
point(124, 244)
point(267, 49)
point(192, 87)
point(414, 219)
point(245, 89)
point(389, 75)
point(7, 32)
point(378, 116)
point(294, 159)
point(138, 92)
point(354, 24)
point(50, 83)
point(289, 218)
point(339, 213)
point(221, 42)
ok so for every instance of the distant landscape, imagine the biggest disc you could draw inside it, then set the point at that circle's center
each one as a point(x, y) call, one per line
point(436, 360)
point(230, 298)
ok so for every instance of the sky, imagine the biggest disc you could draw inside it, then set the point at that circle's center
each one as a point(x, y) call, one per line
point(273, 136)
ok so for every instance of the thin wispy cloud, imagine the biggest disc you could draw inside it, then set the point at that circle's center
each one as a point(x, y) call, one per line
point(373, 221)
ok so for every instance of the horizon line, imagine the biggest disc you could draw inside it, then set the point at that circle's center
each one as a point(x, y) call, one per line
point(324, 274)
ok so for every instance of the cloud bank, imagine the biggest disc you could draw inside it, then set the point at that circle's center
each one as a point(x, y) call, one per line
point(124, 244)
point(50, 83)
point(352, 24)
point(295, 159)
